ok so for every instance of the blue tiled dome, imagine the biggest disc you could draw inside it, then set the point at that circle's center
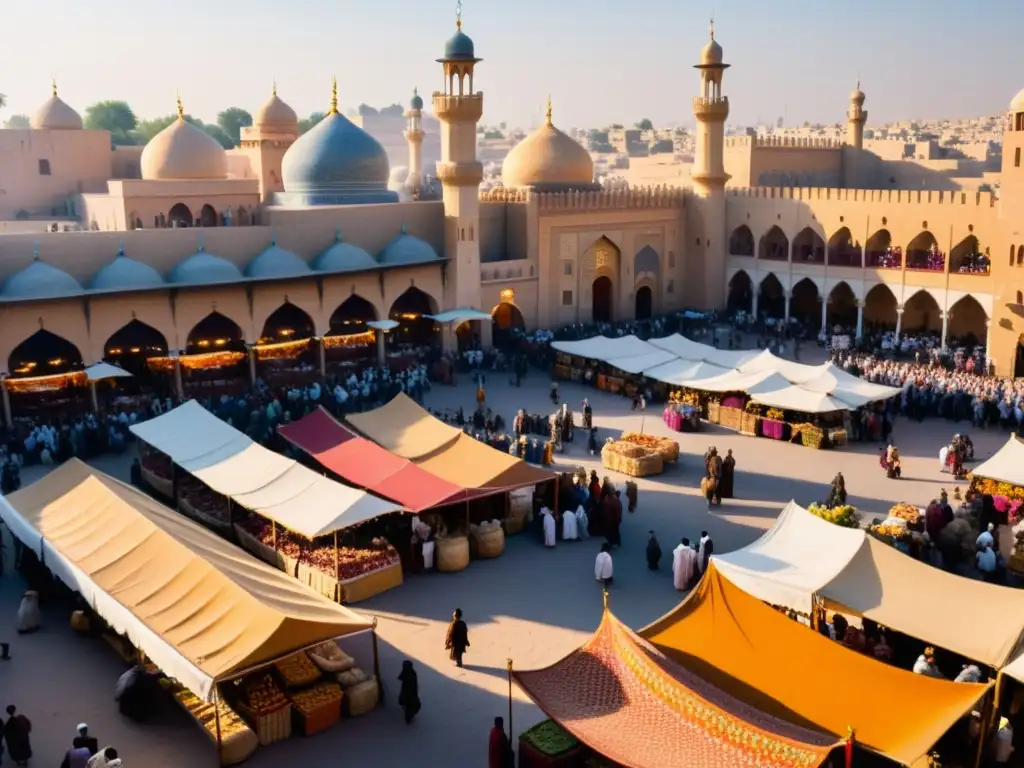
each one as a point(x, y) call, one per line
point(40, 280)
point(459, 47)
point(344, 257)
point(125, 274)
point(336, 162)
point(407, 249)
point(277, 262)
point(417, 100)
point(202, 268)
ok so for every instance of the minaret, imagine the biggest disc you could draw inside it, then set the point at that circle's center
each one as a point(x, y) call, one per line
point(856, 117)
point(275, 127)
point(414, 135)
point(711, 109)
point(459, 110)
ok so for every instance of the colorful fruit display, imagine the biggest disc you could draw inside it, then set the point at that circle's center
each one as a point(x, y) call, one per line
point(889, 531)
point(158, 463)
point(297, 670)
point(669, 449)
point(905, 511)
point(845, 516)
point(353, 561)
point(549, 739)
point(206, 713)
point(204, 501)
point(996, 488)
point(319, 696)
point(263, 696)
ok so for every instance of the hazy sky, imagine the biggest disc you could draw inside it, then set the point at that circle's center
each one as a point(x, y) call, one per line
point(602, 61)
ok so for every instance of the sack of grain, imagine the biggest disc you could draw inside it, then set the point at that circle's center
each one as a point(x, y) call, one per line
point(361, 698)
point(330, 658)
point(452, 553)
point(351, 677)
point(490, 542)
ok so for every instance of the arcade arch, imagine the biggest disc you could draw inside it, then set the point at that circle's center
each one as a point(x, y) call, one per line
point(774, 245)
point(877, 248)
point(741, 293)
point(287, 323)
point(923, 253)
point(43, 354)
point(215, 333)
point(741, 241)
point(808, 247)
point(880, 307)
point(772, 299)
point(968, 321)
point(805, 302)
point(131, 345)
point(842, 306)
point(644, 303)
point(921, 313)
point(180, 215)
point(602, 299)
point(409, 311)
point(842, 250)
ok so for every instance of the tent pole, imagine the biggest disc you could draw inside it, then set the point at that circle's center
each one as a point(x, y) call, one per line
point(376, 658)
point(508, 666)
point(983, 733)
point(216, 716)
point(337, 575)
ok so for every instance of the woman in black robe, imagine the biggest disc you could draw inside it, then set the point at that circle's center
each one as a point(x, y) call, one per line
point(457, 640)
point(409, 693)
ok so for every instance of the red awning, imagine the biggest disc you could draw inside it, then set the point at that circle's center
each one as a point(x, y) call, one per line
point(363, 463)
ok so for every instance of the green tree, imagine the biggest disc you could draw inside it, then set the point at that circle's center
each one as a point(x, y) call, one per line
point(113, 116)
point(147, 129)
point(3, 100)
point(366, 109)
point(17, 121)
point(645, 125)
point(307, 123)
point(493, 134)
point(216, 132)
point(232, 120)
point(393, 111)
point(616, 126)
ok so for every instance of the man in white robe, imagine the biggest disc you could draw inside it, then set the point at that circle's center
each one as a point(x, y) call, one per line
point(550, 529)
point(582, 521)
point(684, 565)
point(570, 531)
point(703, 555)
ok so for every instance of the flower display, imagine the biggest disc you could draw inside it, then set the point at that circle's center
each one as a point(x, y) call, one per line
point(775, 414)
point(905, 511)
point(845, 516)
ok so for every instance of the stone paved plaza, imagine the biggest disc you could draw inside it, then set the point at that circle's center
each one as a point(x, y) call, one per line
point(532, 604)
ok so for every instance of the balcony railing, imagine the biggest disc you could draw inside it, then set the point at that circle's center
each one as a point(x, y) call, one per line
point(975, 264)
point(890, 258)
point(846, 256)
point(932, 260)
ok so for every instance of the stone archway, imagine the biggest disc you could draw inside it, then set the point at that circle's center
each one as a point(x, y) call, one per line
point(741, 241)
point(741, 293)
point(877, 248)
point(774, 245)
point(842, 250)
point(967, 321)
point(351, 317)
point(287, 323)
point(923, 253)
point(208, 216)
point(805, 304)
point(808, 247)
point(180, 215)
point(508, 321)
point(966, 254)
point(43, 354)
point(410, 310)
point(602, 259)
point(880, 307)
point(921, 313)
point(842, 306)
point(644, 303)
point(130, 346)
point(602, 299)
point(215, 333)
point(772, 299)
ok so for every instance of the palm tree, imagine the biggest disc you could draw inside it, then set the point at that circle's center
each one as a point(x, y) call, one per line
point(3, 100)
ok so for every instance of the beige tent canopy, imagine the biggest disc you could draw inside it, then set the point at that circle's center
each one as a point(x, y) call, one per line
point(201, 608)
point(1006, 466)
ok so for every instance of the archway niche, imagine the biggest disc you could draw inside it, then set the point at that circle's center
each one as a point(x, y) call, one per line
point(215, 333)
point(808, 247)
point(921, 314)
point(43, 354)
point(774, 245)
point(468, 335)
point(923, 253)
point(772, 301)
point(967, 322)
point(967, 257)
point(287, 323)
point(507, 321)
point(208, 216)
point(842, 306)
point(741, 241)
point(644, 303)
point(842, 250)
point(805, 303)
point(351, 317)
point(601, 300)
point(180, 216)
point(37, 388)
point(878, 250)
point(880, 307)
point(131, 345)
point(741, 293)
point(409, 311)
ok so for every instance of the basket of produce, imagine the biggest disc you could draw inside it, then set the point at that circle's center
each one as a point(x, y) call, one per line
point(361, 698)
point(488, 539)
point(237, 740)
point(731, 418)
point(750, 423)
point(845, 516)
point(624, 458)
point(266, 708)
point(316, 709)
point(370, 583)
point(811, 436)
point(297, 670)
point(548, 744)
point(669, 449)
point(714, 411)
point(890, 534)
point(452, 553)
point(206, 507)
point(158, 472)
point(328, 657)
point(905, 511)
point(520, 510)
point(251, 543)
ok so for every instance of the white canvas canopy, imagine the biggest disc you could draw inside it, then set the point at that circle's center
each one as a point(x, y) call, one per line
point(793, 560)
point(796, 398)
point(680, 372)
point(687, 349)
point(458, 316)
point(795, 373)
point(605, 348)
point(734, 381)
point(1007, 465)
point(254, 477)
point(641, 363)
point(856, 392)
point(101, 371)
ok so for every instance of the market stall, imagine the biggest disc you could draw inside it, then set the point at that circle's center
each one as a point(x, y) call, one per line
point(129, 557)
point(1003, 474)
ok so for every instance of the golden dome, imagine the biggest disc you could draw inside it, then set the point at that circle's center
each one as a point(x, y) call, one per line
point(548, 157)
point(56, 115)
point(857, 95)
point(276, 114)
point(1017, 105)
point(183, 151)
point(711, 54)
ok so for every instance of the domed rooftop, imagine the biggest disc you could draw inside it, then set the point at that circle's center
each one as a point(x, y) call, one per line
point(857, 95)
point(203, 268)
point(406, 249)
point(459, 46)
point(55, 115)
point(276, 114)
point(1017, 104)
point(40, 280)
point(711, 53)
point(343, 257)
point(277, 262)
point(335, 162)
point(125, 274)
point(548, 159)
point(417, 101)
point(183, 151)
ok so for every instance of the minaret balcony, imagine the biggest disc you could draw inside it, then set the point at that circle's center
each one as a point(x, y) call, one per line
point(711, 109)
point(458, 109)
point(466, 174)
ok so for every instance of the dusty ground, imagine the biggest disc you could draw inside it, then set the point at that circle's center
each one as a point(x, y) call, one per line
point(532, 604)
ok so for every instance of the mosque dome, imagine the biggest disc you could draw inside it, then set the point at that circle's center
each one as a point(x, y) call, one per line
point(344, 257)
point(459, 47)
point(857, 95)
point(406, 249)
point(1017, 104)
point(548, 158)
point(202, 268)
point(183, 151)
point(711, 54)
point(417, 101)
point(276, 114)
point(275, 261)
point(40, 280)
point(126, 274)
point(336, 162)
point(56, 115)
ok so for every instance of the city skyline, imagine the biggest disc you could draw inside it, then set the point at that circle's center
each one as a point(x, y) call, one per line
point(601, 64)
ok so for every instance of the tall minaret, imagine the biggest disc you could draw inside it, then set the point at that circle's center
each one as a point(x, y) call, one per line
point(856, 117)
point(459, 109)
point(711, 109)
point(414, 135)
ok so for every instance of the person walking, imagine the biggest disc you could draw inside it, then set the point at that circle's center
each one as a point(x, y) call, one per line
point(684, 565)
point(106, 758)
point(725, 483)
point(457, 640)
point(16, 735)
point(499, 749)
point(653, 552)
point(603, 569)
point(409, 693)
